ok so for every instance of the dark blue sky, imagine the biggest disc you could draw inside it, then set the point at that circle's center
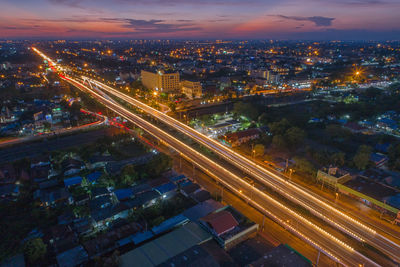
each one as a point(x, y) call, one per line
point(198, 19)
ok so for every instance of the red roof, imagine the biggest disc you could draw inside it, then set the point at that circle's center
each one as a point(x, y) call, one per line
point(241, 134)
point(221, 222)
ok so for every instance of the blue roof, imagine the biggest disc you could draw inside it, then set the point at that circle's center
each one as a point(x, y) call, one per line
point(169, 224)
point(72, 181)
point(177, 178)
point(124, 241)
point(123, 193)
point(165, 188)
point(375, 157)
point(140, 188)
point(382, 147)
point(141, 237)
point(185, 183)
point(389, 122)
point(202, 209)
point(94, 176)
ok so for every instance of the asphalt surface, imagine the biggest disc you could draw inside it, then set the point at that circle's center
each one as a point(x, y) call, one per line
point(29, 150)
point(302, 196)
point(292, 221)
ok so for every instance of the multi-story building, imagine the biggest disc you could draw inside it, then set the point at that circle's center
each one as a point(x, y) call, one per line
point(191, 89)
point(160, 81)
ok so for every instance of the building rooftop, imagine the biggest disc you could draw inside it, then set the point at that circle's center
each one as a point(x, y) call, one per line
point(166, 247)
point(375, 190)
point(72, 181)
point(72, 257)
point(202, 209)
point(194, 256)
point(220, 222)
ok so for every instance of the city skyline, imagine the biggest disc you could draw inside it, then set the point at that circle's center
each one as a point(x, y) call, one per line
point(178, 19)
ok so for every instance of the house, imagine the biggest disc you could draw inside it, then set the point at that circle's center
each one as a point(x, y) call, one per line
point(354, 127)
point(40, 173)
point(170, 224)
point(382, 148)
point(61, 238)
point(188, 189)
point(123, 194)
point(73, 257)
point(166, 247)
point(200, 195)
point(202, 209)
point(82, 226)
point(102, 217)
point(331, 176)
point(99, 192)
point(8, 174)
point(166, 190)
point(9, 190)
point(228, 226)
point(117, 237)
point(141, 188)
point(48, 184)
point(177, 179)
point(241, 137)
point(103, 211)
point(143, 200)
point(99, 161)
point(52, 196)
point(387, 124)
point(378, 159)
point(220, 223)
point(72, 181)
point(94, 177)
point(72, 166)
point(40, 161)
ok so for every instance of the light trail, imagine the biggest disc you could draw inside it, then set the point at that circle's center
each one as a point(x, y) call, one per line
point(185, 149)
point(304, 197)
point(354, 257)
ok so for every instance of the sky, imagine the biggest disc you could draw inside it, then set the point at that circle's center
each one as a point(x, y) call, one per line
point(201, 19)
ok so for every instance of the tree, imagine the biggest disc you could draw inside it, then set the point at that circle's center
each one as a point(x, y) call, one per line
point(172, 106)
point(279, 127)
point(279, 142)
point(246, 109)
point(259, 150)
point(338, 158)
point(158, 164)
point(295, 136)
point(35, 249)
point(361, 159)
point(129, 175)
point(305, 166)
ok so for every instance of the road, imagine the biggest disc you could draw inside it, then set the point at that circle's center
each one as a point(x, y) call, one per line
point(303, 228)
point(309, 232)
point(32, 138)
point(54, 143)
point(316, 204)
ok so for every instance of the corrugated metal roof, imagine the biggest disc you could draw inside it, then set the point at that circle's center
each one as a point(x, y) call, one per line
point(166, 246)
point(73, 181)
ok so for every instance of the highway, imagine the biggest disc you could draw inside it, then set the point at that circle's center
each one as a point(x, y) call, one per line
point(319, 238)
point(299, 195)
point(292, 221)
